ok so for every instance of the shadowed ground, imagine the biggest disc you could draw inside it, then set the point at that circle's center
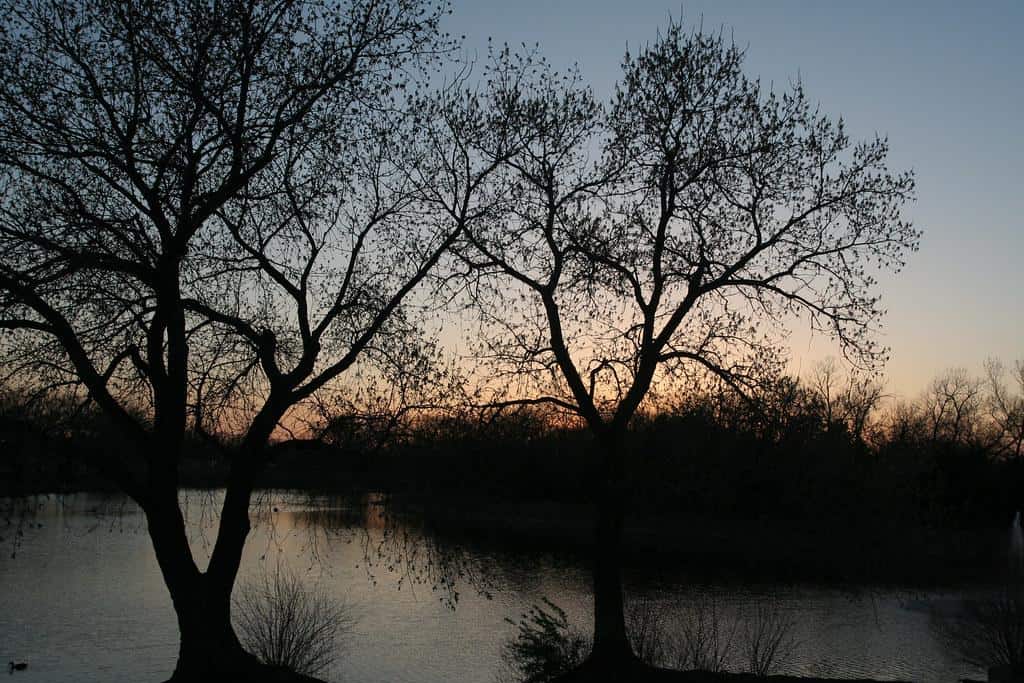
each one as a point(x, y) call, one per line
point(638, 672)
point(256, 673)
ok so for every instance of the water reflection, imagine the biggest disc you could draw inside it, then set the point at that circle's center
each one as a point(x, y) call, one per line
point(83, 599)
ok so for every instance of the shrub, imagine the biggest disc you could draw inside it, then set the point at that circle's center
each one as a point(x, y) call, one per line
point(705, 642)
point(989, 632)
point(545, 645)
point(288, 624)
point(648, 632)
point(768, 640)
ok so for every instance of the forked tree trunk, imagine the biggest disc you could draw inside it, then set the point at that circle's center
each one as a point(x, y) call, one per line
point(209, 648)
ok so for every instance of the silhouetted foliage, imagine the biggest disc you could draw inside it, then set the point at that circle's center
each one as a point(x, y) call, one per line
point(545, 646)
point(689, 635)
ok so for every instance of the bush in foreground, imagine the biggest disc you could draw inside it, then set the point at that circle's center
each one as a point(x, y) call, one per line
point(286, 623)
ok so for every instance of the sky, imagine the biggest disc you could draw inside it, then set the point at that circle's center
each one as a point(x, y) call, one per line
point(944, 81)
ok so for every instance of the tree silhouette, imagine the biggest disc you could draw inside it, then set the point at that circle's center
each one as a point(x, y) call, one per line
point(676, 231)
point(208, 214)
point(1006, 408)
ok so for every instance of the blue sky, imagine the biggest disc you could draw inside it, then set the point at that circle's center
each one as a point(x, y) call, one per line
point(943, 80)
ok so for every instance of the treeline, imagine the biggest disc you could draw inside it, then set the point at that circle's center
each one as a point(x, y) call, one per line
point(825, 447)
point(59, 444)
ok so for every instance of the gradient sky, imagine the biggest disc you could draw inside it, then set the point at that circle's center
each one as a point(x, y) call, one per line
point(943, 80)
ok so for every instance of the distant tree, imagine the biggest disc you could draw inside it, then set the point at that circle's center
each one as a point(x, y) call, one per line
point(952, 406)
point(672, 233)
point(846, 402)
point(1006, 407)
point(208, 213)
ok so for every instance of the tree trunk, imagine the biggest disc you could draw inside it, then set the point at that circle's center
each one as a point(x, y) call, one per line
point(611, 642)
point(610, 638)
point(233, 529)
point(209, 649)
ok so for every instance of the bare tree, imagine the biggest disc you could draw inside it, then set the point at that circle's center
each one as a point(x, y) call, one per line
point(705, 641)
point(646, 623)
point(768, 640)
point(291, 625)
point(1006, 407)
point(673, 232)
point(952, 405)
point(206, 218)
point(845, 401)
point(988, 632)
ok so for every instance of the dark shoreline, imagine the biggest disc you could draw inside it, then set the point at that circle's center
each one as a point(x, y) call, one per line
point(709, 549)
point(705, 549)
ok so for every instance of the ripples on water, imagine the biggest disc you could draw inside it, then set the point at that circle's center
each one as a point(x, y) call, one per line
point(83, 599)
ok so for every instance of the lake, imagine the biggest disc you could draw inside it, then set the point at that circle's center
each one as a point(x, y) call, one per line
point(82, 599)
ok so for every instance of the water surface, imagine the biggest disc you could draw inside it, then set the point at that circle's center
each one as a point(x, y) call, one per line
point(82, 600)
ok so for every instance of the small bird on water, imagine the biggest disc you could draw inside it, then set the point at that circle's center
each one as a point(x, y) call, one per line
point(20, 666)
